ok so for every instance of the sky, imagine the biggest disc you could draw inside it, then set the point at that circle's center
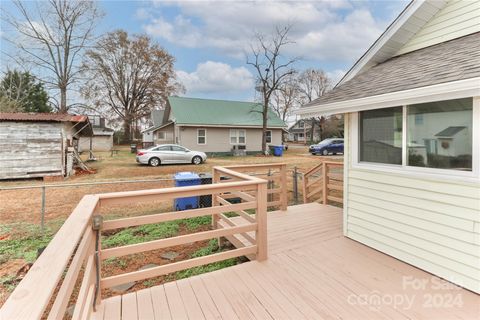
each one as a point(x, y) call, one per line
point(210, 39)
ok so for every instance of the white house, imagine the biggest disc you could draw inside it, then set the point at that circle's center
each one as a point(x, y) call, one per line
point(412, 129)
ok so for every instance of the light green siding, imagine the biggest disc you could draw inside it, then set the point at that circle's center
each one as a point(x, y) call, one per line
point(431, 223)
point(458, 18)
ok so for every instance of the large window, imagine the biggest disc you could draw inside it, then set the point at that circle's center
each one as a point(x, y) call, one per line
point(237, 136)
point(443, 138)
point(202, 136)
point(437, 135)
point(381, 136)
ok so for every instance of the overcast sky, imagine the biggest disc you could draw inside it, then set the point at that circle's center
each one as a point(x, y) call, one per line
point(209, 38)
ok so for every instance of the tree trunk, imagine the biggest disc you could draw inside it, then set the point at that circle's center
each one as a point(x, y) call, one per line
point(127, 130)
point(63, 99)
point(264, 125)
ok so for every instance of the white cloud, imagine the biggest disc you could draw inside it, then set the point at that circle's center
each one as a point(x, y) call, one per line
point(322, 30)
point(216, 77)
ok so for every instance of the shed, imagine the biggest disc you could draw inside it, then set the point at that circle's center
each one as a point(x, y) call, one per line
point(40, 144)
point(102, 138)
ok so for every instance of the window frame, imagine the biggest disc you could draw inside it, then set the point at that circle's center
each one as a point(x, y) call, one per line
point(412, 170)
point(198, 136)
point(271, 136)
point(164, 135)
point(237, 137)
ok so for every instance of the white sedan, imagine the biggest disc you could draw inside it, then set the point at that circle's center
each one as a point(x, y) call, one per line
point(169, 153)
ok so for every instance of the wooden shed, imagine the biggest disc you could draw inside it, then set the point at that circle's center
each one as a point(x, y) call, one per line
point(40, 144)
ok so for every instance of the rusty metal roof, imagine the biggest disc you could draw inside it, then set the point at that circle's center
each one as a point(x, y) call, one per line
point(43, 117)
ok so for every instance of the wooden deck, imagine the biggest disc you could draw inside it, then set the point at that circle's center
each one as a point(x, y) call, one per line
point(312, 272)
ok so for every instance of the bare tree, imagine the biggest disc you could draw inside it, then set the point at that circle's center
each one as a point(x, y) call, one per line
point(129, 77)
point(272, 69)
point(312, 84)
point(287, 98)
point(52, 34)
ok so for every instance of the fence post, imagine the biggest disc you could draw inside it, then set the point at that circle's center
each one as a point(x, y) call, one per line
point(325, 183)
point(295, 185)
point(42, 221)
point(261, 218)
point(283, 188)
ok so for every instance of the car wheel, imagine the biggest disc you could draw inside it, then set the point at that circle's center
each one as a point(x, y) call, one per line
point(197, 160)
point(325, 152)
point(314, 154)
point(154, 162)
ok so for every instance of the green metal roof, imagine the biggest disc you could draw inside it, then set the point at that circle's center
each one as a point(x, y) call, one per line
point(193, 111)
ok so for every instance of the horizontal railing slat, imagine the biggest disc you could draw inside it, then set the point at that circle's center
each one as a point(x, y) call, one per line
point(176, 266)
point(174, 241)
point(129, 197)
point(175, 215)
point(232, 223)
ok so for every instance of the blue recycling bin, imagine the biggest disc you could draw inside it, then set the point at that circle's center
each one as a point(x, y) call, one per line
point(278, 151)
point(185, 179)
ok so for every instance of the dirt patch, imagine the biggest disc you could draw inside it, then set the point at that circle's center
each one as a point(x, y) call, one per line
point(11, 267)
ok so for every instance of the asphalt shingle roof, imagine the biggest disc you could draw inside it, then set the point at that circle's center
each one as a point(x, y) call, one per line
point(193, 111)
point(453, 60)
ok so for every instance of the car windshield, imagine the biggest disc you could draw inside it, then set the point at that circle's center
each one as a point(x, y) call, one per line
point(325, 142)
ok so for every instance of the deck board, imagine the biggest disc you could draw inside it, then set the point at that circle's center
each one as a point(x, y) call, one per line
point(313, 272)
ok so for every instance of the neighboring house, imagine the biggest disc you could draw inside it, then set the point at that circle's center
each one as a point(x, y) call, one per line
point(412, 130)
point(301, 131)
point(156, 121)
point(102, 138)
point(216, 126)
point(39, 144)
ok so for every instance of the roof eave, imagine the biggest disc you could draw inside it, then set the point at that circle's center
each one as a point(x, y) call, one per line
point(444, 91)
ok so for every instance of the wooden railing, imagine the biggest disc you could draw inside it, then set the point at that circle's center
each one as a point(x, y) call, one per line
point(324, 183)
point(76, 248)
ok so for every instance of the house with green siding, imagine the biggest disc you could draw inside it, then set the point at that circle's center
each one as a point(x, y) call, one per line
point(412, 140)
point(216, 126)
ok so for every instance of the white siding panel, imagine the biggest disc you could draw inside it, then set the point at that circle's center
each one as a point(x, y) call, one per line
point(456, 19)
point(437, 206)
point(421, 219)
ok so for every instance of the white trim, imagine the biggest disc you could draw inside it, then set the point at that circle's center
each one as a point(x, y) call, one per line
point(198, 136)
point(427, 173)
point(444, 91)
point(476, 136)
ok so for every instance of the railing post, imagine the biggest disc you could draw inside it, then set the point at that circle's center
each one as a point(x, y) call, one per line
point(325, 183)
point(261, 218)
point(215, 217)
point(283, 188)
point(305, 183)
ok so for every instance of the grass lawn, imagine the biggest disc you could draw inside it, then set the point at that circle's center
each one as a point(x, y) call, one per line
point(21, 236)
